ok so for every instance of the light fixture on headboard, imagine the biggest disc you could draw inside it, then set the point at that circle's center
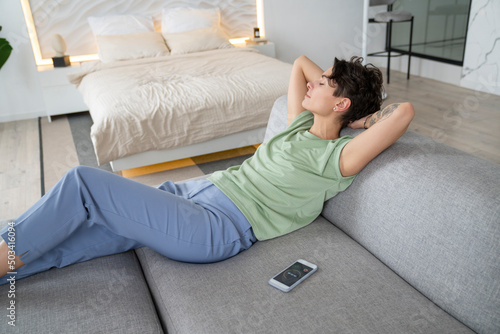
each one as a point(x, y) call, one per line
point(30, 24)
point(260, 17)
point(37, 50)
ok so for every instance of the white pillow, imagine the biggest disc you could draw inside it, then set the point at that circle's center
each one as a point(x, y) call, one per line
point(181, 19)
point(120, 24)
point(130, 46)
point(197, 40)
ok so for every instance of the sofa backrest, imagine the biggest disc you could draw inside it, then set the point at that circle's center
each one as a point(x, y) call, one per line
point(432, 214)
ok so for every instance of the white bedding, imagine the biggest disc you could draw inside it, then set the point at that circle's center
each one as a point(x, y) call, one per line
point(178, 100)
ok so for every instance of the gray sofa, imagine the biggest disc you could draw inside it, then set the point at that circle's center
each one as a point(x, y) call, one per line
point(412, 246)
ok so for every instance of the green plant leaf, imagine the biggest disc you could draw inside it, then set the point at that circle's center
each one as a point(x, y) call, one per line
point(5, 50)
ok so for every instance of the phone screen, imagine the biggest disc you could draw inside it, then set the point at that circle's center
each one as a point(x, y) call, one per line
point(292, 274)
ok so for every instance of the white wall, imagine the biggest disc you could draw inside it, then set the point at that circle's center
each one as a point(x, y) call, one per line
point(319, 29)
point(20, 92)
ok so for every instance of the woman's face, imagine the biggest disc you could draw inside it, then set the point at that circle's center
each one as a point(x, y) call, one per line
point(319, 97)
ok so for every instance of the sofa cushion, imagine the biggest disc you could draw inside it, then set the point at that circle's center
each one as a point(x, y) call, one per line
point(352, 291)
point(277, 119)
point(104, 295)
point(432, 214)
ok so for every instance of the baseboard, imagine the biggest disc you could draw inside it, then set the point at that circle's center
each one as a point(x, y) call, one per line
point(425, 68)
point(21, 117)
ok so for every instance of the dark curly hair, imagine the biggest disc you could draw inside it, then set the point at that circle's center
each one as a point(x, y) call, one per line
point(361, 84)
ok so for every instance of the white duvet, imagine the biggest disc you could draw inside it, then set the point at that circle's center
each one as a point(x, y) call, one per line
point(178, 100)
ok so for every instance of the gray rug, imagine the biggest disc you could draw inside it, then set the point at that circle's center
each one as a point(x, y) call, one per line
point(80, 124)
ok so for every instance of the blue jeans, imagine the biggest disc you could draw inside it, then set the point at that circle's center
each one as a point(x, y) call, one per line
point(91, 213)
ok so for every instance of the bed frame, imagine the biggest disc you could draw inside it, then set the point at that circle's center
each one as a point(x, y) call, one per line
point(236, 140)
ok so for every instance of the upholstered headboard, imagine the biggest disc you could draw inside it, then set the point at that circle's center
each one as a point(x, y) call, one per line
point(68, 18)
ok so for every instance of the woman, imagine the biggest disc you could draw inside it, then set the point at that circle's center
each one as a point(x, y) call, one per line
point(281, 188)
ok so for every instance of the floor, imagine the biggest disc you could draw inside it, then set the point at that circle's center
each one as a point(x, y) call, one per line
point(465, 119)
point(462, 118)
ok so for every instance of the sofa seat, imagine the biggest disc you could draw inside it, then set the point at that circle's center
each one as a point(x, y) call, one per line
point(352, 291)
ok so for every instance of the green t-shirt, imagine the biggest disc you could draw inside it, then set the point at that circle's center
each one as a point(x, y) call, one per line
point(284, 185)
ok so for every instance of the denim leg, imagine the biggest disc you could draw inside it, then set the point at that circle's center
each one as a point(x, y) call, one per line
point(83, 244)
point(92, 213)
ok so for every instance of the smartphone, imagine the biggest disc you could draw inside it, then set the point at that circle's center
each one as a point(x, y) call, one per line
point(293, 275)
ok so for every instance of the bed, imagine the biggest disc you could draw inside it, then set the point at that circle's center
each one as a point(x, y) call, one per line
point(156, 97)
point(174, 101)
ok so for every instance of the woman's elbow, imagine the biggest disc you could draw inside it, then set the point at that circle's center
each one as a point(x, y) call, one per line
point(301, 59)
point(409, 109)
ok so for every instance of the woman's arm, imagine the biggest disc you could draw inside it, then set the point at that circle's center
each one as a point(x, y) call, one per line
point(384, 128)
point(303, 71)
